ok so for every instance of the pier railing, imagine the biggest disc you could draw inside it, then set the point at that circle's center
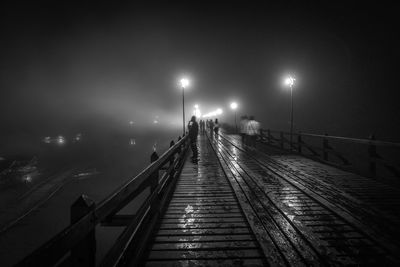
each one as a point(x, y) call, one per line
point(76, 244)
point(367, 155)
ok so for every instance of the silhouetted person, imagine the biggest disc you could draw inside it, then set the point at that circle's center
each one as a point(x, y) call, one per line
point(202, 126)
point(216, 127)
point(211, 128)
point(253, 130)
point(243, 128)
point(193, 132)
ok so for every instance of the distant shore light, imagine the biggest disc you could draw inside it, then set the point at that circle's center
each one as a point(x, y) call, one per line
point(234, 105)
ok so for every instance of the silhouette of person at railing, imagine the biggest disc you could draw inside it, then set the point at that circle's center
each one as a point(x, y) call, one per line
point(253, 130)
point(216, 128)
point(193, 132)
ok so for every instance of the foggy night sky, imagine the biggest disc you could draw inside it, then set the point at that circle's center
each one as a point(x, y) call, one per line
point(62, 66)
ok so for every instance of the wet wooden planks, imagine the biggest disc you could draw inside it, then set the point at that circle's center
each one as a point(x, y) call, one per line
point(204, 224)
point(327, 236)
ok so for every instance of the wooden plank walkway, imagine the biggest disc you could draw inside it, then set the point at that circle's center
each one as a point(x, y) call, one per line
point(204, 224)
point(242, 207)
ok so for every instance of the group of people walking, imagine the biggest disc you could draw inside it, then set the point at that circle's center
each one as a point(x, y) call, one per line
point(193, 126)
point(249, 130)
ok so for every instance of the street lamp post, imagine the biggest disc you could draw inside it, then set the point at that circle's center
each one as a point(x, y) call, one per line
point(234, 106)
point(290, 81)
point(184, 83)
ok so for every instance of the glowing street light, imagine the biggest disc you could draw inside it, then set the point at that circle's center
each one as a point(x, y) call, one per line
point(197, 111)
point(184, 84)
point(289, 81)
point(234, 106)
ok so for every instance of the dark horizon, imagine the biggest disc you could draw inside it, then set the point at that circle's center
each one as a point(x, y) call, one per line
point(63, 65)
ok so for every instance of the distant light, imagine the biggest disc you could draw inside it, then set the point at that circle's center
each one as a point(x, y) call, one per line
point(197, 113)
point(155, 121)
point(184, 82)
point(289, 81)
point(131, 122)
point(234, 105)
point(213, 113)
point(27, 178)
point(60, 140)
point(196, 106)
point(47, 139)
point(132, 142)
point(78, 137)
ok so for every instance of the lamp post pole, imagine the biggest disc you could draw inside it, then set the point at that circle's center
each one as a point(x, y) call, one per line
point(184, 84)
point(290, 82)
point(234, 106)
point(183, 109)
point(235, 122)
point(291, 117)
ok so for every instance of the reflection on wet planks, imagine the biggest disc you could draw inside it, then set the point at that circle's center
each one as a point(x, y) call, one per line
point(300, 220)
point(204, 224)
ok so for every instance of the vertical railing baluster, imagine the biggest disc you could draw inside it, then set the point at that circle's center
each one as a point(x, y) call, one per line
point(372, 156)
point(299, 142)
point(84, 253)
point(154, 177)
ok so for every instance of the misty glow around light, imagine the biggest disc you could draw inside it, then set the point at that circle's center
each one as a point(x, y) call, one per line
point(234, 105)
point(60, 140)
point(184, 82)
point(196, 111)
point(132, 142)
point(289, 81)
point(214, 113)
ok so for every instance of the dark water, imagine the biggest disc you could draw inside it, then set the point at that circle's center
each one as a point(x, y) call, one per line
point(96, 166)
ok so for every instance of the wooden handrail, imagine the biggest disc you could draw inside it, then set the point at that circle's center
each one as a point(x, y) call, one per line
point(372, 156)
point(53, 251)
point(344, 139)
point(105, 207)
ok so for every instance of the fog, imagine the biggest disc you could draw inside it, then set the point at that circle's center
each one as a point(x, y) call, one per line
point(68, 68)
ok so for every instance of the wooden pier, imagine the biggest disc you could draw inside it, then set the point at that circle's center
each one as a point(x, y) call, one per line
point(239, 206)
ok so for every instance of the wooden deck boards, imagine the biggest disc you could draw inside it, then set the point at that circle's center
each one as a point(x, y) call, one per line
point(204, 224)
point(241, 207)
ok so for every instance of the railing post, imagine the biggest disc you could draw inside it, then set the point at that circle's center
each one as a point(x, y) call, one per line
point(154, 177)
point(269, 136)
point(299, 141)
point(325, 147)
point(171, 161)
point(180, 147)
point(84, 253)
point(282, 141)
point(372, 156)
